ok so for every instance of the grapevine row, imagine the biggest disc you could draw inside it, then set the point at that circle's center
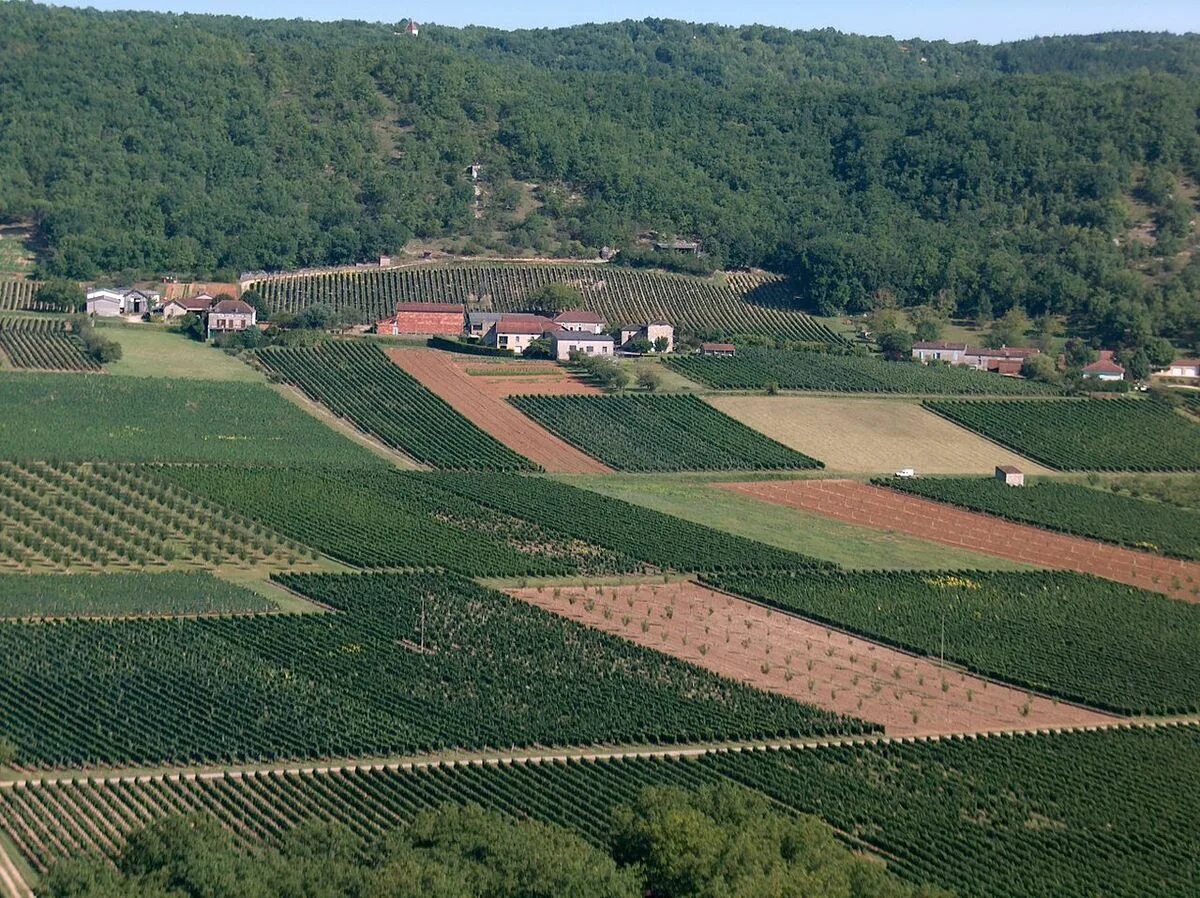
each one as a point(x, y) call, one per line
point(43, 343)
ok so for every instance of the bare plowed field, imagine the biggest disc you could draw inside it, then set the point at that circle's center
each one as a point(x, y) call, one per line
point(806, 661)
point(484, 406)
point(884, 509)
point(872, 436)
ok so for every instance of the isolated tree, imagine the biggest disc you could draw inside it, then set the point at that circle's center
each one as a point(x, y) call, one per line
point(649, 380)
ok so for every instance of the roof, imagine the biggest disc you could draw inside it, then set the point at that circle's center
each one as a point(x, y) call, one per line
point(1187, 363)
point(578, 316)
point(447, 307)
point(1103, 366)
point(1008, 469)
point(940, 344)
point(523, 324)
point(1004, 352)
point(193, 303)
point(659, 323)
point(484, 316)
point(232, 307)
point(579, 336)
point(717, 347)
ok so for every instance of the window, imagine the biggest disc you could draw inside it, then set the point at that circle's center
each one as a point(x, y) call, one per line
point(502, 340)
point(589, 347)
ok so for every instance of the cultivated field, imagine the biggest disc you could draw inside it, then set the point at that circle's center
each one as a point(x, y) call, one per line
point(1106, 645)
point(479, 397)
point(123, 595)
point(729, 305)
point(870, 435)
point(19, 295)
point(357, 382)
point(659, 433)
point(754, 368)
point(803, 660)
point(1086, 434)
point(90, 417)
point(874, 506)
point(42, 343)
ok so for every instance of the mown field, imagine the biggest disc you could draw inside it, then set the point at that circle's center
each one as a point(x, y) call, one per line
point(724, 306)
point(66, 417)
point(409, 663)
point(658, 433)
point(1086, 434)
point(1071, 508)
point(113, 595)
point(358, 382)
point(755, 368)
point(1072, 815)
point(43, 343)
point(1078, 638)
point(72, 516)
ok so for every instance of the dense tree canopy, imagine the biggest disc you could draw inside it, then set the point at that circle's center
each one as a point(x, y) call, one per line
point(994, 176)
point(673, 844)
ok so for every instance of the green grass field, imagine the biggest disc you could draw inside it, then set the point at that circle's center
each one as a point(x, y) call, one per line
point(149, 350)
point(96, 417)
point(691, 498)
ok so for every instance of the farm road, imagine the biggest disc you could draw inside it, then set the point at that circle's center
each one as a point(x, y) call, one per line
point(883, 509)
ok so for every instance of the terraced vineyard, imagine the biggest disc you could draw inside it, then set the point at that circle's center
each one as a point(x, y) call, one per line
point(659, 433)
point(754, 368)
point(1078, 638)
point(409, 663)
point(44, 344)
point(1085, 434)
point(112, 595)
point(717, 307)
point(1072, 815)
point(629, 530)
point(20, 295)
point(91, 517)
point(1071, 508)
point(358, 382)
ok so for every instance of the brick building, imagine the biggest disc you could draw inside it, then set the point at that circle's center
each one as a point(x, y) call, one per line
point(441, 318)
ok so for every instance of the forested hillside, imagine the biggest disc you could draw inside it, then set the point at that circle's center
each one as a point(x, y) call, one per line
point(1058, 175)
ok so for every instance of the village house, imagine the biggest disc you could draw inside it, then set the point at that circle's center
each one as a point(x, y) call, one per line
point(425, 318)
point(1009, 475)
point(231, 315)
point(516, 332)
point(651, 333)
point(116, 303)
point(1185, 368)
point(939, 351)
point(193, 305)
point(579, 320)
point(718, 350)
point(1104, 368)
point(564, 342)
point(479, 323)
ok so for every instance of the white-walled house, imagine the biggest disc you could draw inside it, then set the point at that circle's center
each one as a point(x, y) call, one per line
point(516, 332)
point(939, 351)
point(580, 320)
point(1185, 368)
point(1104, 368)
point(193, 305)
point(564, 342)
point(650, 332)
point(231, 315)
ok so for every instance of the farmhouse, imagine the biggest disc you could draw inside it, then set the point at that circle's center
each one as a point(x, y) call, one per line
point(1104, 368)
point(194, 305)
point(1010, 475)
point(720, 350)
point(114, 303)
point(1187, 368)
point(580, 321)
point(231, 315)
point(939, 351)
point(565, 342)
point(516, 332)
point(651, 333)
point(443, 318)
point(479, 323)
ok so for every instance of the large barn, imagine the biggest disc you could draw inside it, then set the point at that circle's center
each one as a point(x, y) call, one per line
point(442, 318)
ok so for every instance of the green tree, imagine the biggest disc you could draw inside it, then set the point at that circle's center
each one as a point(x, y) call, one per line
point(553, 298)
point(61, 295)
point(1040, 368)
point(1078, 353)
point(661, 344)
point(1009, 329)
point(1160, 352)
point(896, 345)
point(540, 348)
point(649, 380)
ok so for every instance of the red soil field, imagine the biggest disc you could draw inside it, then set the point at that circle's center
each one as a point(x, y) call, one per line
point(505, 378)
point(484, 406)
point(884, 509)
point(806, 661)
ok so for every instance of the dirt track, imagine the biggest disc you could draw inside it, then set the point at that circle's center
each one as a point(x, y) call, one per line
point(884, 509)
point(806, 661)
point(481, 401)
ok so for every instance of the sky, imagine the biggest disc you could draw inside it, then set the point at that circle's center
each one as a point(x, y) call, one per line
point(987, 21)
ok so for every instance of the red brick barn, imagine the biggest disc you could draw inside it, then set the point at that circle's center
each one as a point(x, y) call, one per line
point(443, 318)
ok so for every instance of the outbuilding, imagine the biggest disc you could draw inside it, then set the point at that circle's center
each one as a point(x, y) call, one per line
point(424, 318)
point(1009, 475)
point(580, 320)
point(565, 342)
point(718, 350)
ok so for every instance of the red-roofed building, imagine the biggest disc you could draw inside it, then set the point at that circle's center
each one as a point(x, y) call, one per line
point(516, 332)
point(1104, 368)
point(441, 318)
point(717, 349)
point(1185, 368)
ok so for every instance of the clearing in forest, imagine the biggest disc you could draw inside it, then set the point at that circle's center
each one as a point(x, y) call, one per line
point(873, 506)
point(874, 436)
point(803, 660)
point(480, 399)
